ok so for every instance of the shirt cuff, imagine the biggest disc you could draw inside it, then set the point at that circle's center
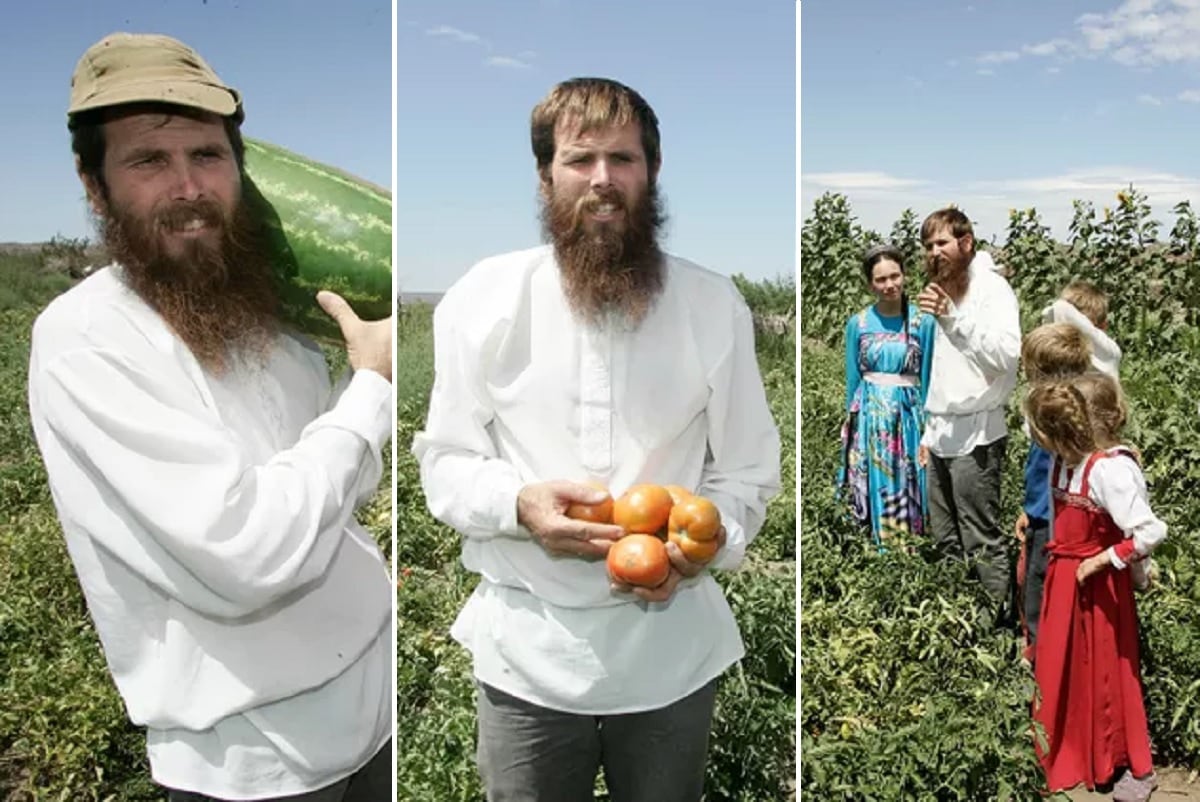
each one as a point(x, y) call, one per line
point(730, 556)
point(365, 409)
point(1124, 551)
point(1116, 561)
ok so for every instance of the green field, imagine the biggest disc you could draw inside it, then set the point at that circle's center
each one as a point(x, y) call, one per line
point(907, 693)
point(753, 740)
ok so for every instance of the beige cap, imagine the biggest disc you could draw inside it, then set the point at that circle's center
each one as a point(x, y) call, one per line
point(144, 67)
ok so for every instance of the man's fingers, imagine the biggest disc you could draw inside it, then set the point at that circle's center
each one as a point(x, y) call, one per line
point(661, 593)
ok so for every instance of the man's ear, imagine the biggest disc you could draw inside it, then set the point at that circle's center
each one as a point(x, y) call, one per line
point(969, 245)
point(95, 194)
point(545, 185)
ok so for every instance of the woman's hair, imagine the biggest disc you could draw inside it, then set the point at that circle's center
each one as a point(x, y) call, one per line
point(1106, 406)
point(1073, 417)
point(1057, 412)
point(1055, 351)
point(874, 256)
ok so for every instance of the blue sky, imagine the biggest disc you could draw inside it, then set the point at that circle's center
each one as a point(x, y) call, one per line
point(316, 77)
point(999, 104)
point(720, 75)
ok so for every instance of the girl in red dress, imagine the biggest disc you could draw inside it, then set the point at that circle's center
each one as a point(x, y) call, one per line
point(1086, 665)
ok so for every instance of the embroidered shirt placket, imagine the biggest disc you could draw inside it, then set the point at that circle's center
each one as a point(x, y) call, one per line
point(595, 402)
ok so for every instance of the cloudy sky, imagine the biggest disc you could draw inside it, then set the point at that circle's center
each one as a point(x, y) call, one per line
point(999, 104)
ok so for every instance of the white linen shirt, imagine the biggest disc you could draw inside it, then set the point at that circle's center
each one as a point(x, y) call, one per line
point(244, 614)
point(523, 393)
point(1118, 485)
point(974, 371)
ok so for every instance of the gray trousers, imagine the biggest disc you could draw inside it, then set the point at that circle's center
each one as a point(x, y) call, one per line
point(528, 753)
point(371, 783)
point(964, 514)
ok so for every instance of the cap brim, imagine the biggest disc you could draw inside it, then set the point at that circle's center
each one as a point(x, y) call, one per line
point(217, 100)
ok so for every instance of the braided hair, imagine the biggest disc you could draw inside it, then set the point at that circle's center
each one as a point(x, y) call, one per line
point(1059, 419)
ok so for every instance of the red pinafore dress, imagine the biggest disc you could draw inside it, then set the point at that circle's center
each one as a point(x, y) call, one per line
point(1086, 664)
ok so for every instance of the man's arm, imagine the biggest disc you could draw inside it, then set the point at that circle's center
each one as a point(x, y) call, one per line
point(991, 337)
point(467, 486)
point(742, 472)
point(134, 464)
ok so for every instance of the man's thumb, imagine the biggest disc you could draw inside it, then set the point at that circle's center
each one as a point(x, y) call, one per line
point(336, 307)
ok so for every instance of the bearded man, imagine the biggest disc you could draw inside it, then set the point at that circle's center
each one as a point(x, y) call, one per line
point(596, 357)
point(974, 371)
point(204, 470)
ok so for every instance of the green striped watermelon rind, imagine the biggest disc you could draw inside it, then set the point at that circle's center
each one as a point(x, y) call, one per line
point(330, 230)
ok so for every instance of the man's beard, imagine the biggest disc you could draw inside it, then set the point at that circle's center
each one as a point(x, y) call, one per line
point(609, 269)
point(951, 274)
point(222, 301)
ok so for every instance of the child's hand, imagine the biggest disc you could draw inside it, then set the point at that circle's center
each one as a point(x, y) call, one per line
point(1022, 525)
point(923, 456)
point(1091, 566)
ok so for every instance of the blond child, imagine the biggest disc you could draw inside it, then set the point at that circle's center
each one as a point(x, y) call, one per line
point(1090, 702)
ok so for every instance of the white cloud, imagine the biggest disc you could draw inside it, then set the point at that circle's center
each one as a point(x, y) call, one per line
point(1053, 70)
point(985, 72)
point(998, 57)
point(1150, 100)
point(1052, 47)
point(1189, 96)
point(1144, 32)
point(864, 180)
point(454, 33)
point(507, 62)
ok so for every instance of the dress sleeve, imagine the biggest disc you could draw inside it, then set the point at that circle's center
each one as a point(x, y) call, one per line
point(1117, 485)
point(927, 333)
point(853, 377)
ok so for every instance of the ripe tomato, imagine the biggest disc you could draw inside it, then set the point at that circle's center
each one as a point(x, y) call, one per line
point(697, 551)
point(696, 517)
point(639, 560)
point(599, 513)
point(642, 509)
point(678, 493)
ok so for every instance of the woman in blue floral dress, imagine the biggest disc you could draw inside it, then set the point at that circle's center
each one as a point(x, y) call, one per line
point(889, 348)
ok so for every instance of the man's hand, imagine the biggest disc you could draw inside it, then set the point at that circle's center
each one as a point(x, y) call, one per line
point(1092, 565)
point(681, 567)
point(368, 343)
point(934, 300)
point(1022, 525)
point(923, 456)
point(542, 507)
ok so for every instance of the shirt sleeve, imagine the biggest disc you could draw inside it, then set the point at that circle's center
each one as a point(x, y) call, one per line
point(853, 377)
point(1117, 485)
point(372, 467)
point(467, 485)
point(1106, 354)
point(742, 472)
point(136, 465)
point(991, 334)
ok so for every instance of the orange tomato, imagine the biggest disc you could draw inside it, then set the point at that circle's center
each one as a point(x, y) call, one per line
point(640, 560)
point(599, 513)
point(697, 551)
point(642, 509)
point(678, 493)
point(696, 517)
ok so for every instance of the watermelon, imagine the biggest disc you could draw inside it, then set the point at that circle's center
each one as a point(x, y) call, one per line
point(329, 229)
